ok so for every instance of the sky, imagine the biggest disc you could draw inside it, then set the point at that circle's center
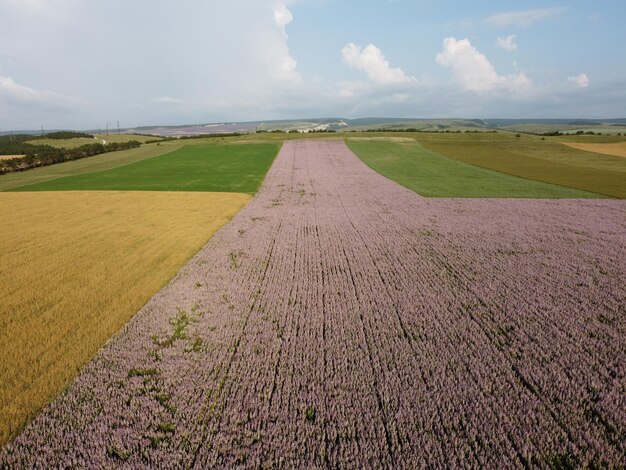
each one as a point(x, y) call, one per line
point(78, 64)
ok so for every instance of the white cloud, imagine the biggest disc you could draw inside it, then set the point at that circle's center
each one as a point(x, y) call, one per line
point(42, 10)
point(168, 100)
point(29, 5)
point(247, 69)
point(16, 94)
point(372, 61)
point(274, 51)
point(523, 18)
point(473, 71)
point(348, 89)
point(246, 58)
point(286, 69)
point(580, 81)
point(282, 16)
point(507, 43)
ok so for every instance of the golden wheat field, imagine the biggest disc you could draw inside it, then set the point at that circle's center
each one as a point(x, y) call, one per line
point(75, 267)
point(8, 157)
point(618, 149)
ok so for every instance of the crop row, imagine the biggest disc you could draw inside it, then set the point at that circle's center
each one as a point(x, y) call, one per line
point(341, 320)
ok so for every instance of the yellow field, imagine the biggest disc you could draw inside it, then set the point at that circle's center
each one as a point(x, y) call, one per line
point(75, 267)
point(99, 139)
point(113, 137)
point(617, 149)
point(6, 157)
point(66, 143)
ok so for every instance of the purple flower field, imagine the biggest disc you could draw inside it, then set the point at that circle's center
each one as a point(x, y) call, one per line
point(340, 320)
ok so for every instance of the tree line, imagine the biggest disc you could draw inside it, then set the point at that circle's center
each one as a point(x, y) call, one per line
point(65, 135)
point(44, 155)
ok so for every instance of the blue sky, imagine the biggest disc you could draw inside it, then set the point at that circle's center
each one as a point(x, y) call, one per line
point(82, 63)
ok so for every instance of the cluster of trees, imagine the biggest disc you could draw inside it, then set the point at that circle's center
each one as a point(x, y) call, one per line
point(66, 135)
point(15, 138)
point(410, 129)
point(209, 136)
point(317, 131)
point(430, 131)
point(557, 133)
point(190, 137)
point(44, 155)
point(16, 144)
point(295, 131)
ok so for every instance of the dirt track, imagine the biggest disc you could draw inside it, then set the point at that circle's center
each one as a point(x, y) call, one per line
point(341, 320)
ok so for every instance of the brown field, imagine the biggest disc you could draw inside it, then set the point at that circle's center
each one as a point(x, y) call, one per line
point(618, 149)
point(75, 267)
point(6, 157)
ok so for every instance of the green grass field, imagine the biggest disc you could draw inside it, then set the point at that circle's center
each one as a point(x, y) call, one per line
point(532, 158)
point(100, 162)
point(431, 174)
point(519, 165)
point(208, 167)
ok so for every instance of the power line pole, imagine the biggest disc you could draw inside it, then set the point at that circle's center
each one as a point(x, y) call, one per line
point(118, 127)
point(42, 132)
point(107, 128)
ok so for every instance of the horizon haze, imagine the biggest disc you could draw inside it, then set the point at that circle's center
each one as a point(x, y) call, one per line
point(79, 65)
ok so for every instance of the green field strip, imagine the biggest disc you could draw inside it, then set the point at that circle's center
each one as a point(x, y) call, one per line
point(100, 162)
point(209, 167)
point(534, 159)
point(433, 175)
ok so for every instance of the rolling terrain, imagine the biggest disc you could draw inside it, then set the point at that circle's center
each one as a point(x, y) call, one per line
point(102, 138)
point(617, 149)
point(531, 126)
point(207, 167)
point(340, 319)
point(79, 261)
point(529, 157)
point(434, 175)
point(76, 266)
point(86, 165)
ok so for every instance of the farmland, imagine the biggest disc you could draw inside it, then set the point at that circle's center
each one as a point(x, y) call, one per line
point(434, 175)
point(208, 167)
point(97, 256)
point(341, 320)
point(75, 269)
point(532, 158)
point(77, 142)
point(87, 165)
point(616, 149)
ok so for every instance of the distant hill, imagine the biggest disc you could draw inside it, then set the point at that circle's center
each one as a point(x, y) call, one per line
point(530, 125)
